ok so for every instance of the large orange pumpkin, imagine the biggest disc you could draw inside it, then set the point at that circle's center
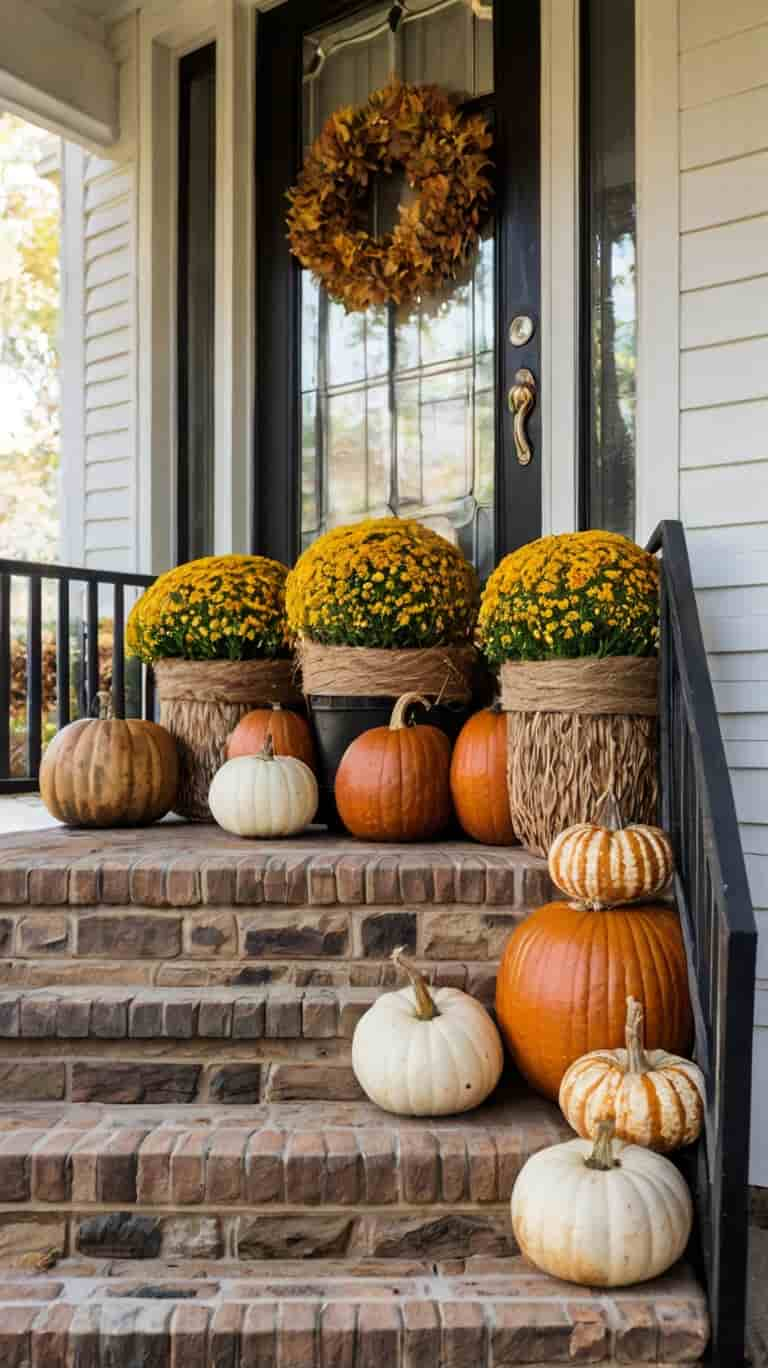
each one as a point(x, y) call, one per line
point(565, 978)
point(289, 731)
point(393, 782)
point(479, 778)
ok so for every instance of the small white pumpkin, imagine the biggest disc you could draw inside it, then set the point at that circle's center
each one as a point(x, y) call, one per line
point(422, 1053)
point(657, 1099)
point(604, 1216)
point(264, 794)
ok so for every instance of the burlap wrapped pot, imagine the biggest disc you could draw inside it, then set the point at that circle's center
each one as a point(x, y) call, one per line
point(201, 702)
point(574, 729)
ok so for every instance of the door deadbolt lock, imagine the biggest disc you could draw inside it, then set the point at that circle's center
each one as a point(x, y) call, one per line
point(521, 330)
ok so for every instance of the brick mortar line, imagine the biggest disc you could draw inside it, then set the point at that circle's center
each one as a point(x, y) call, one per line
point(313, 1209)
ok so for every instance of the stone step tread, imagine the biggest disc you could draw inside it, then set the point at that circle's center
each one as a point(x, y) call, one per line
point(486, 1318)
point(176, 864)
point(108, 1012)
point(304, 1156)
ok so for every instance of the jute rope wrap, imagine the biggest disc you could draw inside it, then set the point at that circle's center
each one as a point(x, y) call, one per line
point(201, 702)
point(444, 672)
point(574, 729)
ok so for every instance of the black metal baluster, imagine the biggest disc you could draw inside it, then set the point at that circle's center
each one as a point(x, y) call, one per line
point(92, 645)
point(118, 653)
point(5, 676)
point(62, 655)
point(149, 693)
point(34, 676)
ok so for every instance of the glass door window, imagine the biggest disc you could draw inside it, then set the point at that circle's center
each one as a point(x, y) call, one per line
point(397, 403)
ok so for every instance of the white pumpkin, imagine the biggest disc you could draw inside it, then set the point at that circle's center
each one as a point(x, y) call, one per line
point(422, 1053)
point(264, 794)
point(605, 1215)
point(656, 1098)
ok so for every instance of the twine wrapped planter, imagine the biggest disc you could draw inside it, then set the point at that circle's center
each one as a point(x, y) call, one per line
point(353, 688)
point(444, 672)
point(201, 702)
point(574, 729)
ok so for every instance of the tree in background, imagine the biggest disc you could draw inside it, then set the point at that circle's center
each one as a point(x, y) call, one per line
point(29, 318)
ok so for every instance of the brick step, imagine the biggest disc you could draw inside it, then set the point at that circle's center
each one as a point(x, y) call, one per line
point(492, 1314)
point(156, 1045)
point(315, 1180)
point(179, 905)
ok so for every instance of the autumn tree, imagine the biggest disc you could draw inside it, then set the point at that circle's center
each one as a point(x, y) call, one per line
point(29, 310)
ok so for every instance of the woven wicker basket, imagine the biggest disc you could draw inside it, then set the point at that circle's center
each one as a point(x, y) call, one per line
point(574, 729)
point(201, 702)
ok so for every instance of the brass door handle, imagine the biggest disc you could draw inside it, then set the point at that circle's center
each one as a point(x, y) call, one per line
point(522, 399)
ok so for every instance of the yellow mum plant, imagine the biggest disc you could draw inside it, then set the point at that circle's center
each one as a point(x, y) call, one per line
point(384, 582)
point(580, 594)
point(216, 608)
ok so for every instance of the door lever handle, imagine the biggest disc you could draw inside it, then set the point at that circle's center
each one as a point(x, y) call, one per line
point(521, 400)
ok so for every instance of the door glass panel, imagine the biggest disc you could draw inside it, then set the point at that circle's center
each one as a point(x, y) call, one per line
point(398, 403)
point(612, 304)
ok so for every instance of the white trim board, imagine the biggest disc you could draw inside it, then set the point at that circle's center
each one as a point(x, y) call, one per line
point(558, 388)
point(166, 33)
point(658, 269)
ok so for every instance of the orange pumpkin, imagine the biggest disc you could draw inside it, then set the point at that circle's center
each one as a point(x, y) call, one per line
point(565, 978)
point(479, 778)
point(393, 782)
point(289, 731)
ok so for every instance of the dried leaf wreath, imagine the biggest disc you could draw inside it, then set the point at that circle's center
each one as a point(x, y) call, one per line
point(444, 156)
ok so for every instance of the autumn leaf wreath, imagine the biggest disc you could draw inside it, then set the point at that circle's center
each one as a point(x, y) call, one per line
point(444, 155)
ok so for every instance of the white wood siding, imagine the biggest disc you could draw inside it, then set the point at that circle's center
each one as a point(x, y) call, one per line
point(723, 147)
point(99, 446)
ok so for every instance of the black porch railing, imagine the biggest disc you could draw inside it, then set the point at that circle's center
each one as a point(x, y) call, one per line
point(713, 899)
point(77, 673)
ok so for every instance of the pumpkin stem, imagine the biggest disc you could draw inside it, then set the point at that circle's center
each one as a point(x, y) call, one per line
point(426, 1007)
point(608, 812)
point(406, 701)
point(601, 1157)
point(268, 749)
point(637, 1060)
point(103, 705)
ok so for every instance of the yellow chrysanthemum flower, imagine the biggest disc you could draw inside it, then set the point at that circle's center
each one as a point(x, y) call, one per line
point(239, 612)
point(415, 587)
point(596, 592)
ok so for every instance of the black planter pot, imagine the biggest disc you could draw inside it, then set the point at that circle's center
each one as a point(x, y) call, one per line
point(337, 721)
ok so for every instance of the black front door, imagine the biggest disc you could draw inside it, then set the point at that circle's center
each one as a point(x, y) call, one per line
point(398, 410)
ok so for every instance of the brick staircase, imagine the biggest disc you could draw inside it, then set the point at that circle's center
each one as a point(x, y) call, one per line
point(189, 1175)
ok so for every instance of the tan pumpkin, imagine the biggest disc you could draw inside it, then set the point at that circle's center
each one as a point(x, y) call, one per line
point(604, 863)
point(564, 979)
point(393, 782)
point(290, 734)
point(105, 771)
point(479, 778)
point(657, 1098)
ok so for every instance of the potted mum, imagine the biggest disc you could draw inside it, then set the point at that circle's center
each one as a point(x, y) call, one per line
point(215, 632)
point(381, 608)
point(572, 623)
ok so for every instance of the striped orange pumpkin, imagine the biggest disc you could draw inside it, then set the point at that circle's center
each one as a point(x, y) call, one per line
point(656, 1099)
point(606, 864)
